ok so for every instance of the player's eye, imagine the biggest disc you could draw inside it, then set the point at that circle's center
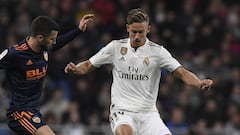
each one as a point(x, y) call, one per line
point(135, 32)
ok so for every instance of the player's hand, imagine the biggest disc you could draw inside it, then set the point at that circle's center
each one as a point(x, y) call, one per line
point(84, 21)
point(206, 84)
point(70, 68)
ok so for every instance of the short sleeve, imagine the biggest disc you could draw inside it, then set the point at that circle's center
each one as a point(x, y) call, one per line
point(104, 56)
point(167, 61)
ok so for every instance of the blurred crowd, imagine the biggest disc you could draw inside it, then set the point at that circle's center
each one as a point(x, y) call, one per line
point(204, 35)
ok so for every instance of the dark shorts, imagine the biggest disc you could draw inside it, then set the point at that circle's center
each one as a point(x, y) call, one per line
point(25, 122)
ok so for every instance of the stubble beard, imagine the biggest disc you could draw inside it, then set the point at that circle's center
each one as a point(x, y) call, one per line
point(44, 45)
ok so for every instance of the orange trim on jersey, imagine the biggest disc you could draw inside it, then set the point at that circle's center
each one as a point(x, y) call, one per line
point(21, 47)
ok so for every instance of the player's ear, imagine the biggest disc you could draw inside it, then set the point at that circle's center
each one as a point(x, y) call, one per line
point(127, 26)
point(149, 28)
point(40, 38)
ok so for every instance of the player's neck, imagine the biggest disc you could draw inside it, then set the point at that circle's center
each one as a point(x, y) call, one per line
point(135, 46)
point(33, 44)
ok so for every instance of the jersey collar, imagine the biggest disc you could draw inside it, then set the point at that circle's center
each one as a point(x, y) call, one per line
point(139, 48)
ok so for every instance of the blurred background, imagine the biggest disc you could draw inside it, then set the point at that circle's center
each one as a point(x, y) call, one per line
point(204, 35)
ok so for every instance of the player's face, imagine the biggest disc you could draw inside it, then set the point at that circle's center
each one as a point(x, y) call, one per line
point(138, 33)
point(49, 41)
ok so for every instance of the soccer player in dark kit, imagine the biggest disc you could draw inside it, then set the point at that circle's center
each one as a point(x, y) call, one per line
point(26, 65)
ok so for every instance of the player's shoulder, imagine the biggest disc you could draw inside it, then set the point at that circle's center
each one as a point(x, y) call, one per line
point(155, 45)
point(17, 49)
point(10, 50)
point(120, 41)
point(20, 47)
point(8, 53)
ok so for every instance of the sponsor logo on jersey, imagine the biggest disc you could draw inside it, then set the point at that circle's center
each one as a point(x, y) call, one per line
point(146, 61)
point(123, 50)
point(132, 76)
point(36, 119)
point(35, 74)
point(45, 55)
point(4, 53)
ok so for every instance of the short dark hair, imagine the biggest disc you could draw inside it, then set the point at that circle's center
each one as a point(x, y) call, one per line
point(137, 16)
point(43, 25)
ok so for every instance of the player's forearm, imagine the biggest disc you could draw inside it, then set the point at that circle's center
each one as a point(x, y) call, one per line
point(65, 38)
point(191, 79)
point(188, 77)
point(83, 68)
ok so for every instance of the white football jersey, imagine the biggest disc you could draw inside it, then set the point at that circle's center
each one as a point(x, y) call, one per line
point(136, 73)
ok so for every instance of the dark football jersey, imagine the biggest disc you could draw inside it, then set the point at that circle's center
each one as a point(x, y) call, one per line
point(26, 70)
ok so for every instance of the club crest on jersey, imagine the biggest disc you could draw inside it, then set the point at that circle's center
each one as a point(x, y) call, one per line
point(123, 51)
point(36, 119)
point(45, 55)
point(146, 61)
point(3, 53)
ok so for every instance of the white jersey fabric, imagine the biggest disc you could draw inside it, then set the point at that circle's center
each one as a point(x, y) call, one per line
point(136, 73)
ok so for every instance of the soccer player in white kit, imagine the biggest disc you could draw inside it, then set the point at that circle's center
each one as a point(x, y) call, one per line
point(137, 64)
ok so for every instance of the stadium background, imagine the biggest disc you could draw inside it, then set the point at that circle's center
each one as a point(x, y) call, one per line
point(204, 35)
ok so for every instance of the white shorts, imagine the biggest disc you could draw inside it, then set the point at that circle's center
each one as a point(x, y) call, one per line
point(144, 123)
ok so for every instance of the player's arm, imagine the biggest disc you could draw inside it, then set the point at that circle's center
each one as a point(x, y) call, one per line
point(80, 69)
point(191, 79)
point(69, 36)
point(7, 58)
point(104, 56)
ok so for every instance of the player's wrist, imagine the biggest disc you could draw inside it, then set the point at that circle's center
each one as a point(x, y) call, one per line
point(74, 71)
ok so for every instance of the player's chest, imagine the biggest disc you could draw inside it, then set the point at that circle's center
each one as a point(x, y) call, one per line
point(33, 66)
point(135, 61)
